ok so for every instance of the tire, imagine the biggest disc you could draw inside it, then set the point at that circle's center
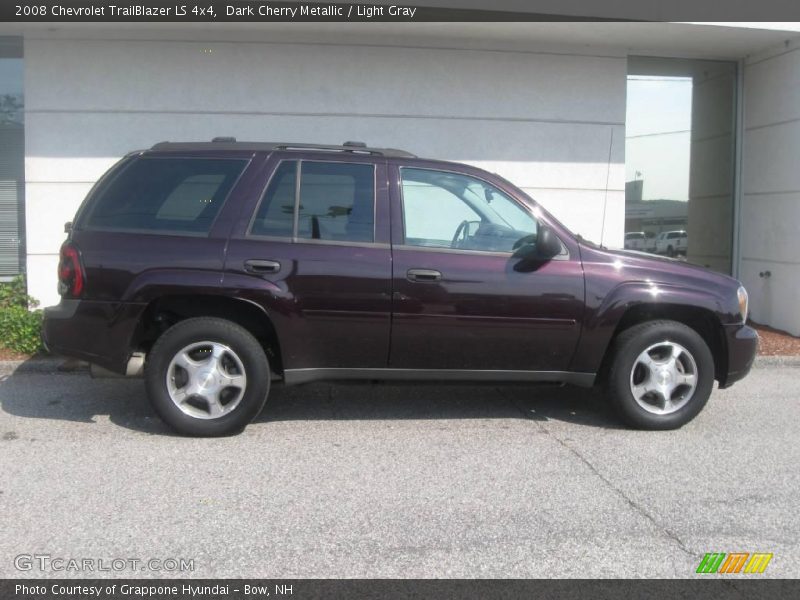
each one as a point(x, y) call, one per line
point(670, 251)
point(217, 372)
point(641, 375)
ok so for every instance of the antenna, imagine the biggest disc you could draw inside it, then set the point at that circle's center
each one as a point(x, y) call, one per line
point(605, 197)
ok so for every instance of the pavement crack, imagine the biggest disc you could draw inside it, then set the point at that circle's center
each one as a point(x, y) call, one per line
point(617, 490)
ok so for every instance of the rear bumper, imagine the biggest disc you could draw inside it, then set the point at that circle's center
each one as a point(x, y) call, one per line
point(97, 332)
point(742, 344)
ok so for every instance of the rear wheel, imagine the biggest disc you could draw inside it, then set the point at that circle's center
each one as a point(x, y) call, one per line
point(661, 376)
point(207, 377)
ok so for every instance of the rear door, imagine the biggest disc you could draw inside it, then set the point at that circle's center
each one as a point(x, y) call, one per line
point(312, 247)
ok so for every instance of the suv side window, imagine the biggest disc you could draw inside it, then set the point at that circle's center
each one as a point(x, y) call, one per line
point(431, 214)
point(182, 195)
point(337, 201)
point(275, 214)
point(449, 210)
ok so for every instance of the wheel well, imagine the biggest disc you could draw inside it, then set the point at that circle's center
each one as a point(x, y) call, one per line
point(164, 312)
point(703, 321)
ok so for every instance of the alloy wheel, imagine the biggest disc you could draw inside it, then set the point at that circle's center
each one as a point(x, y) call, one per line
point(664, 378)
point(206, 380)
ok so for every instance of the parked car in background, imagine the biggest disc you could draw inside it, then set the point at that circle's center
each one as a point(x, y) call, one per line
point(672, 243)
point(643, 241)
point(649, 241)
point(635, 240)
point(218, 269)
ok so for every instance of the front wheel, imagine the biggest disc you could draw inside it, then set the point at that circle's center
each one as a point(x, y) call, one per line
point(661, 375)
point(207, 377)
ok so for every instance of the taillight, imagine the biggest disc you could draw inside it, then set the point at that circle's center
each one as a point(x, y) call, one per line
point(70, 272)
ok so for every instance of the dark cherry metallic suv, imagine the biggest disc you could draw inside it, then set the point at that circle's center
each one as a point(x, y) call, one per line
point(217, 268)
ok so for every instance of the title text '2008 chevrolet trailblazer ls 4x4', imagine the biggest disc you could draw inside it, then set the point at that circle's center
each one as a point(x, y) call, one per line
point(219, 267)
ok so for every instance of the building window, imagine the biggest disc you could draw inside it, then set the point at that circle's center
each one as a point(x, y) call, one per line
point(679, 151)
point(12, 159)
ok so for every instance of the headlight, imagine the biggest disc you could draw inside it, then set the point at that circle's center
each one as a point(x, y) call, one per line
point(743, 300)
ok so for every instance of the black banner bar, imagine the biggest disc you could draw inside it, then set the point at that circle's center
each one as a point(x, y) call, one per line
point(732, 588)
point(229, 11)
point(181, 11)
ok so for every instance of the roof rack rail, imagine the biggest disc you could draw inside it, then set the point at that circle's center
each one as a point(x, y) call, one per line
point(353, 147)
point(230, 143)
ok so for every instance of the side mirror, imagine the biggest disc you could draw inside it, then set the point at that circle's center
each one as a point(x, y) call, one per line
point(548, 245)
point(544, 247)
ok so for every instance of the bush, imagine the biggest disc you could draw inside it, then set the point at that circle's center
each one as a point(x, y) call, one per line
point(20, 327)
point(15, 293)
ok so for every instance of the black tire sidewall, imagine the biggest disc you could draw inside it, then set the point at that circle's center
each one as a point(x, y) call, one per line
point(630, 344)
point(225, 332)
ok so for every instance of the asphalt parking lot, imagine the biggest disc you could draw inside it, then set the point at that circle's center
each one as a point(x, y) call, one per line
point(399, 481)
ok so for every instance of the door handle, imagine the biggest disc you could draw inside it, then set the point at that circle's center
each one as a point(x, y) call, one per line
point(262, 266)
point(423, 275)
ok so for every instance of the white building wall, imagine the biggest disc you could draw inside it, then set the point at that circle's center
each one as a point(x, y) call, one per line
point(551, 122)
point(770, 211)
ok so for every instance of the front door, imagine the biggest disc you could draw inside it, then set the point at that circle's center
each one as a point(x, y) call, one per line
point(460, 299)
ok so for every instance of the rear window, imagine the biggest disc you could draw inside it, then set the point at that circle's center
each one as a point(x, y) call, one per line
point(165, 194)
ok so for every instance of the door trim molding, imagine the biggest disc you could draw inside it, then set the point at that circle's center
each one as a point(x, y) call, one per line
point(298, 376)
point(549, 322)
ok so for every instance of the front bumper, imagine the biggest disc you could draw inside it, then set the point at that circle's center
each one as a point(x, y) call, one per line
point(741, 342)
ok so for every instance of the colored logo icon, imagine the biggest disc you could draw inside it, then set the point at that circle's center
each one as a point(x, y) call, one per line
point(735, 562)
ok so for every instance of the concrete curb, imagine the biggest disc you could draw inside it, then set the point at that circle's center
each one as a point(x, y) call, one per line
point(66, 365)
point(44, 365)
point(777, 361)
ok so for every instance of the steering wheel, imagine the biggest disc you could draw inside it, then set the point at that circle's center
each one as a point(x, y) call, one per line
point(528, 239)
point(462, 232)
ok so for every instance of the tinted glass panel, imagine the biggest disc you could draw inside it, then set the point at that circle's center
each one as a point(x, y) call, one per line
point(448, 210)
point(165, 194)
point(337, 202)
point(680, 138)
point(12, 158)
point(275, 214)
